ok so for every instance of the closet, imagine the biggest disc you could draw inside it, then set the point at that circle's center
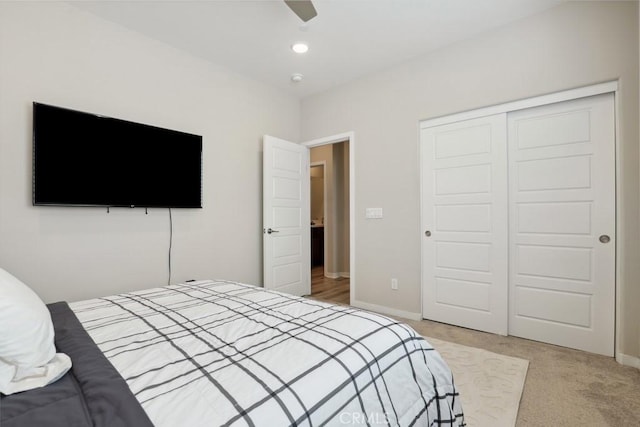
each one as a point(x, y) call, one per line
point(518, 220)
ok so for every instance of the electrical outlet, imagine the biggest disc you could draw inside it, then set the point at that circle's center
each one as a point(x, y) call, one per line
point(394, 284)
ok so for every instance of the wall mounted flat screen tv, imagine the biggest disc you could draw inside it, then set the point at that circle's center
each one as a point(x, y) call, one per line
point(83, 159)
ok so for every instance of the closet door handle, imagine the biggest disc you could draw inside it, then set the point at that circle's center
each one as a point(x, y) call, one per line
point(427, 233)
point(269, 231)
point(604, 239)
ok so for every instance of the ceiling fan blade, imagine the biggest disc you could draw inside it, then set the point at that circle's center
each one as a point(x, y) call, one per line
point(303, 8)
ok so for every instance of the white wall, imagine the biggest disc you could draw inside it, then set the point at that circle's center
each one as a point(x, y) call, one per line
point(57, 54)
point(576, 44)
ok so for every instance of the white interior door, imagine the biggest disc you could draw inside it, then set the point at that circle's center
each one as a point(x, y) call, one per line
point(286, 222)
point(562, 224)
point(464, 221)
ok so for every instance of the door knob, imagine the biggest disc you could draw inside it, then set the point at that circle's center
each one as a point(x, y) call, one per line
point(604, 239)
point(269, 231)
point(427, 233)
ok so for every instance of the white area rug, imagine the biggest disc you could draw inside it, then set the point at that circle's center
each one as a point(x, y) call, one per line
point(490, 384)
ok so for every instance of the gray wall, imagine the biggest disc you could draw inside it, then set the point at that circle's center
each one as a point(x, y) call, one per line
point(576, 44)
point(54, 53)
point(341, 186)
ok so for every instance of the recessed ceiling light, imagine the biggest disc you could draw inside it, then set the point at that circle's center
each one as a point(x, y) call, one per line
point(296, 78)
point(300, 47)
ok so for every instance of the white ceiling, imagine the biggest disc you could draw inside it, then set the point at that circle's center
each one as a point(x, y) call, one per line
point(348, 39)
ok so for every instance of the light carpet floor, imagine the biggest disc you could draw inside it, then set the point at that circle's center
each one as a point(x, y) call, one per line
point(490, 384)
point(564, 387)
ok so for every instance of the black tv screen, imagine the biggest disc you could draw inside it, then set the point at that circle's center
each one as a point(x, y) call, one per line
point(83, 159)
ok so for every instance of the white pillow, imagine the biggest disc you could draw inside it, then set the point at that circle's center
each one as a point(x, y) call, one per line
point(27, 351)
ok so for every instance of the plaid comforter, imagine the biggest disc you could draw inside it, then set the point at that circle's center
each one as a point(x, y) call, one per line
point(222, 353)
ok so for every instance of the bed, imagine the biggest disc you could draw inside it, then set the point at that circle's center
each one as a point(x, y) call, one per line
point(211, 353)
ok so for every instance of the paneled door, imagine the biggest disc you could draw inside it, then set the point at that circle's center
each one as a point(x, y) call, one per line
point(464, 223)
point(562, 223)
point(286, 222)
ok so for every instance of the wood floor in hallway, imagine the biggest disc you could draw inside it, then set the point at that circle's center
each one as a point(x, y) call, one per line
point(330, 290)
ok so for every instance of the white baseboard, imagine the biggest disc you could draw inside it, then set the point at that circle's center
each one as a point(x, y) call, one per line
point(626, 360)
point(330, 275)
point(386, 310)
point(344, 274)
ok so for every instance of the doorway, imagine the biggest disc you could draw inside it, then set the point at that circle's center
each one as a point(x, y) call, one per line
point(330, 212)
point(286, 214)
point(318, 197)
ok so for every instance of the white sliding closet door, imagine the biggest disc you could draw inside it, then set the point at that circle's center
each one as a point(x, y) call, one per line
point(464, 223)
point(562, 223)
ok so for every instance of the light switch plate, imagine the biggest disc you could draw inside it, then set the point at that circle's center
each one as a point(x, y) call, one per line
point(373, 213)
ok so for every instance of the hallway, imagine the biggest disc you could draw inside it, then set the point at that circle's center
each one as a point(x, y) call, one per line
point(330, 290)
